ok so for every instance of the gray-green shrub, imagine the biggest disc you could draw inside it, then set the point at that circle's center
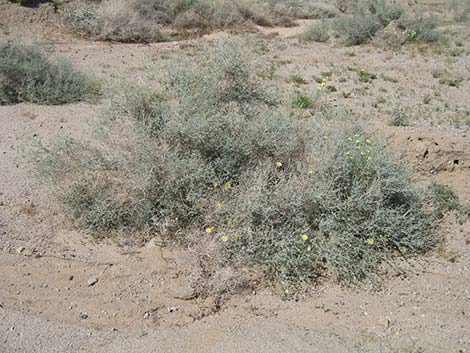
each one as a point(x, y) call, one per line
point(27, 75)
point(317, 33)
point(217, 159)
point(371, 16)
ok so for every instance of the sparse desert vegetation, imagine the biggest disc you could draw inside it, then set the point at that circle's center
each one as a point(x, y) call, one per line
point(260, 173)
point(28, 75)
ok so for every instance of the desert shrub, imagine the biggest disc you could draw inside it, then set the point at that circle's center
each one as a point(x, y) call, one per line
point(340, 217)
point(356, 29)
point(460, 9)
point(399, 118)
point(443, 199)
point(27, 75)
point(217, 162)
point(371, 16)
point(420, 28)
point(82, 17)
point(143, 20)
point(317, 32)
point(386, 12)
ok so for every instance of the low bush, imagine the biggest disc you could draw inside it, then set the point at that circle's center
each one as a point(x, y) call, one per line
point(27, 75)
point(369, 17)
point(317, 32)
point(356, 29)
point(217, 161)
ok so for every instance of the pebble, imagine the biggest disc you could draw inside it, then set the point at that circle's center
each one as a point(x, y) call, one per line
point(20, 250)
point(92, 281)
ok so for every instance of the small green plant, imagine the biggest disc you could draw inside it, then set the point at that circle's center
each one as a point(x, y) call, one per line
point(443, 199)
point(399, 118)
point(297, 80)
point(303, 101)
point(27, 75)
point(365, 76)
point(317, 32)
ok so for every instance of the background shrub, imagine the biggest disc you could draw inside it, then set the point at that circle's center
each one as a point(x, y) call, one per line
point(368, 17)
point(317, 32)
point(27, 75)
point(218, 162)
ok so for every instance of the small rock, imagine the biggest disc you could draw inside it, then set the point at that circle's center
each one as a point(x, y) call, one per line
point(172, 309)
point(20, 250)
point(92, 281)
point(71, 278)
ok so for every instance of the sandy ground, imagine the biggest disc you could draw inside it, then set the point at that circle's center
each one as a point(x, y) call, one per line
point(142, 301)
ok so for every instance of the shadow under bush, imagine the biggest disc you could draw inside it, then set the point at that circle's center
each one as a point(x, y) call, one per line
point(217, 161)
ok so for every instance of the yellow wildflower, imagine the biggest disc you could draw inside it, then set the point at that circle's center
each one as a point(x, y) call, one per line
point(209, 230)
point(224, 238)
point(369, 158)
point(324, 80)
point(218, 205)
point(371, 241)
point(286, 291)
point(215, 184)
point(235, 236)
point(304, 237)
point(279, 164)
point(310, 172)
point(228, 185)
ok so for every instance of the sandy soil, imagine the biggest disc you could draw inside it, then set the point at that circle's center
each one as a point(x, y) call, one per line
point(142, 301)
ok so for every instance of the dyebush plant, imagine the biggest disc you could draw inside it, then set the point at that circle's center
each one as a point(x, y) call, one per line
point(218, 162)
point(27, 75)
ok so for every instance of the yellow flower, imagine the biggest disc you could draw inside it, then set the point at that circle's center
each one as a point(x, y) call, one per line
point(369, 158)
point(215, 184)
point(367, 141)
point(403, 249)
point(325, 137)
point(371, 241)
point(279, 164)
point(209, 230)
point(228, 185)
point(304, 237)
point(218, 205)
point(286, 291)
point(235, 236)
point(324, 80)
point(310, 172)
point(358, 141)
point(349, 139)
point(224, 238)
